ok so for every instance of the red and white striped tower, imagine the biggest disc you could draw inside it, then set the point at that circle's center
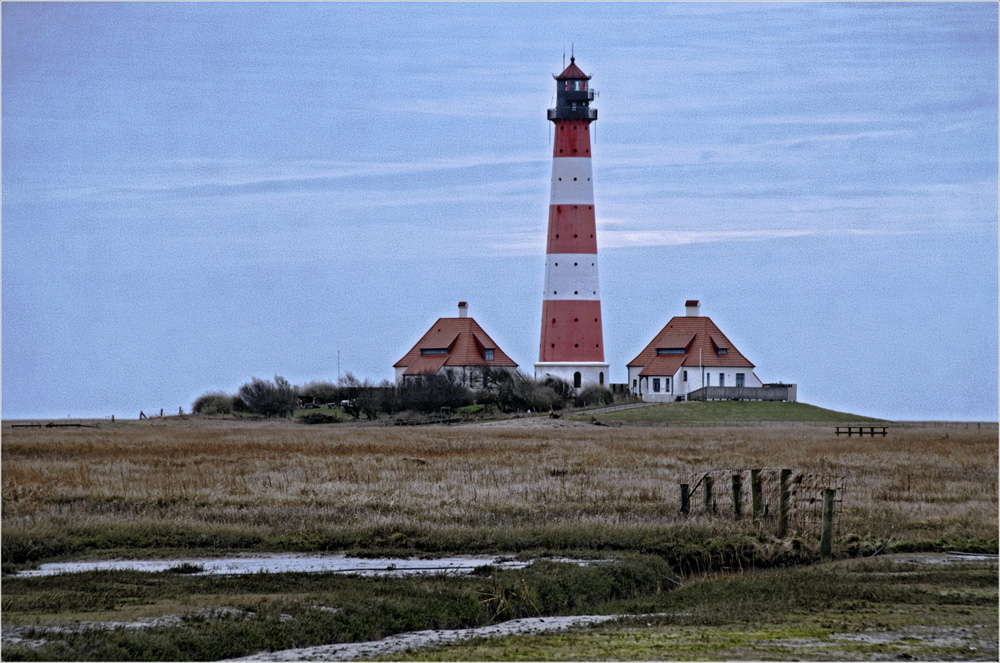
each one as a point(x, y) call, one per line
point(572, 345)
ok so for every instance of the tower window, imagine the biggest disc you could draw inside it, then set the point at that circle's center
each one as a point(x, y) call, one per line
point(576, 379)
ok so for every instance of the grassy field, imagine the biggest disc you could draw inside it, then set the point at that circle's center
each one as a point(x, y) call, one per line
point(734, 413)
point(176, 487)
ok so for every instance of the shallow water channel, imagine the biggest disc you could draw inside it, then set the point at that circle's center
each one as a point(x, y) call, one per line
point(292, 563)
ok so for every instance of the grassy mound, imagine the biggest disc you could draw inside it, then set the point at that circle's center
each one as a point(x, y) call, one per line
point(734, 412)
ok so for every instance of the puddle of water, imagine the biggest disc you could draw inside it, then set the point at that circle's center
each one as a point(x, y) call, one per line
point(402, 642)
point(291, 563)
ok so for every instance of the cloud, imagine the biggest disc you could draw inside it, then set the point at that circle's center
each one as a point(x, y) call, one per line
point(533, 243)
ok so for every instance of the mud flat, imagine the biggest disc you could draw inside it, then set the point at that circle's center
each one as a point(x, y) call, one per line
point(290, 563)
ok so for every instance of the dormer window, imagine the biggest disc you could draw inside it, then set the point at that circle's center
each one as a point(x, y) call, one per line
point(669, 351)
point(433, 351)
point(722, 351)
point(489, 354)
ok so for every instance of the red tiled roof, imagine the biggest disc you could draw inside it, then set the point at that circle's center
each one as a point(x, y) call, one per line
point(703, 335)
point(463, 339)
point(572, 71)
point(675, 339)
point(426, 365)
point(663, 365)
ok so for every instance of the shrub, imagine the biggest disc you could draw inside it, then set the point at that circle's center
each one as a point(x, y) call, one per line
point(319, 418)
point(563, 388)
point(267, 398)
point(214, 402)
point(594, 395)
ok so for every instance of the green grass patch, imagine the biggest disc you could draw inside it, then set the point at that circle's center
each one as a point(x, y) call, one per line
point(733, 412)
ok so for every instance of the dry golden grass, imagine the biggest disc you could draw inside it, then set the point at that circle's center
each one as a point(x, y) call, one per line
point(277, 477)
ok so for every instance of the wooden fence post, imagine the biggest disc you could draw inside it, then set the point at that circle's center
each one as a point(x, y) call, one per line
point(685, 500)
point(737, 496)
point(826, 536)
point(783, 503)
point(755, 499)
point(709, 502)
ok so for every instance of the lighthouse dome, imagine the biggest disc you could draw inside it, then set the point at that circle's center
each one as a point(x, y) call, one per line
point(572, 72)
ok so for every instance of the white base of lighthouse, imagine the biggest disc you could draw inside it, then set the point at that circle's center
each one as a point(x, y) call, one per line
point(578, 373)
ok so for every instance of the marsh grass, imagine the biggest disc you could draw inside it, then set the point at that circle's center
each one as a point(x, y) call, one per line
point(872, 610)
point(230, 616)
point(234, 485)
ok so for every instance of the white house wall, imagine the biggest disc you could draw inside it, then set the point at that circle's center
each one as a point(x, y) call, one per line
point(680, 387)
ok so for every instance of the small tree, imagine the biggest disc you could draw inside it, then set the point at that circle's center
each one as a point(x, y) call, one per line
point(267, 398)
point(361, 398)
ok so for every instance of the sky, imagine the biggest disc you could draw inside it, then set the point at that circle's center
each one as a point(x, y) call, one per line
point(195, 194)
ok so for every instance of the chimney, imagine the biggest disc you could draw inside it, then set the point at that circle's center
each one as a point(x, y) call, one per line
point(463, 310)
point(692, 308)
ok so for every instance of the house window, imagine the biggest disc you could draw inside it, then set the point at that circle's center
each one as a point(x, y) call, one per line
point(722, 379)
point(635, 383)
point(685, 376)
point(739, 379)
point(489, 355)
point(666, 384)
point(656, 384)
point(576, 379)
point(433, 351)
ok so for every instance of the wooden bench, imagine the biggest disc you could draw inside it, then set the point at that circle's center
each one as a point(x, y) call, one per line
point(861, 430)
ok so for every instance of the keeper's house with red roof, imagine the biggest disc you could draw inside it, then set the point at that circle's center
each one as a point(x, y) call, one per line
point(690, 359)
point(454, 347)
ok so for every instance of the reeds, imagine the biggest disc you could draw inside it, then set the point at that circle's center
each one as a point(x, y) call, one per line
point(276, 479)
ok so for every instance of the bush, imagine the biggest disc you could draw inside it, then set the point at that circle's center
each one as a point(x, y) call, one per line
point(267, 398)
point(214, 402)
point(319, 418)
point(594, 395)
point(562, 388)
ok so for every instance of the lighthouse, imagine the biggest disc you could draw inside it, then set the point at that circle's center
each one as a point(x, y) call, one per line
point(572, 344)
